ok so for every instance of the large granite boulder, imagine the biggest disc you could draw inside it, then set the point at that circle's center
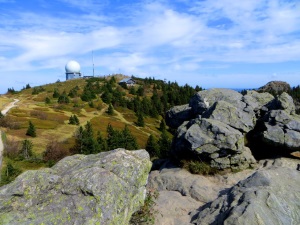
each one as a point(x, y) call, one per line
point(227, 113)
point(105, 188)
point(278, 131)
point(203, 100)
point(258, 102)
point(177, 115)
point(269, 196)
point(213, 141)
point(217, 122)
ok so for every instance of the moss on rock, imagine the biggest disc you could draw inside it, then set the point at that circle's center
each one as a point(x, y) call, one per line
point(106, 188)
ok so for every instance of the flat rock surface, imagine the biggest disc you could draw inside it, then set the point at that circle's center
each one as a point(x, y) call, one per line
point(269, 196)
point(181, 193)
point(186, 199)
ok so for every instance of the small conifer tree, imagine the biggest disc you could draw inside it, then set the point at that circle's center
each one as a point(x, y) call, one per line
point(71, 120)
point(140, 120)
point(56, 93)
point(26, 150)
point(10, 173)
point(47, 100)
point(63, 98)
point(31, 130)
point(152, 146)
point(76, 120)
point(110, 110)
point(164, 145)
point(162, 125)
point(128, 140)
point(102, 144)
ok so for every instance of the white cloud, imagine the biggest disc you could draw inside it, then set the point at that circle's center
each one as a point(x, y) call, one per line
point(86, 5)
point(155, 37)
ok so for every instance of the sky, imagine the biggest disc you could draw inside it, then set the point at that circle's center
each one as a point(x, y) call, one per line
point(210, 43)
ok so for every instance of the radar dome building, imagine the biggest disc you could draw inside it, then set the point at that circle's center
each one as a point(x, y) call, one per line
point(72, 70)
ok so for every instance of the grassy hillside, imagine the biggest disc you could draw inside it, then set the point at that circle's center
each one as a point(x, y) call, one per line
point(49, 108)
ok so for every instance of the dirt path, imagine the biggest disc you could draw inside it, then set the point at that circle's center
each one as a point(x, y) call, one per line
point(4, 111)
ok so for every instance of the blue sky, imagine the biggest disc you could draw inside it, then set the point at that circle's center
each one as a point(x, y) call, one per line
point(210, 43)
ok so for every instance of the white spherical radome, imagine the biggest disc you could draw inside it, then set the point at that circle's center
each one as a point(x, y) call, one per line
point(72, 67)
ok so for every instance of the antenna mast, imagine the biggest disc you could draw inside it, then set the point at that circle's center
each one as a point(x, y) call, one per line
point(93, 64)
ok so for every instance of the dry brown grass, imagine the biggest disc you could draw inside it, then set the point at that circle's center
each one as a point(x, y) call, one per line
point(127, 114)
point(18, 112)
point(100, 124)
point(4, 101)
point(51, 120)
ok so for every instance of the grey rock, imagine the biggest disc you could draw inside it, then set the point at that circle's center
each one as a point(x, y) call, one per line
point(282, 102)
point(181, 193)
point(257, 100)
point(232, 116)
point(198, 187)
point(273, 135)
point(172, 208)
point(220, 119)
point(294, 125)
point(286, 103)
point(211, 138)
point(177, 115)
point(105, 188)
point(281, 129)
point(291, 139)
point(278, 162)
point(269, 196)
point(203, 100)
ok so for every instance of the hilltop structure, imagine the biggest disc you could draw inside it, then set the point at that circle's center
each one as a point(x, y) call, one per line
point(72, 70)
point(127, 82)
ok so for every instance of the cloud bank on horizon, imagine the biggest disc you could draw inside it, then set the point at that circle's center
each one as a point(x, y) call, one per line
point(220, 43)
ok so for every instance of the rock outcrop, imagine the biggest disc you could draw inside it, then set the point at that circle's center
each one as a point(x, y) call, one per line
point(215, 124)
point(177, 115)
point(105, 188)
point(275, 87)
point(181, 193)
point(278, 131)
point(189, 199)
point(269, 196)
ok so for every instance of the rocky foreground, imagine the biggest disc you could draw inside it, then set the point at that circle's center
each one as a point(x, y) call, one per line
point(82, 189)
point(269, 194)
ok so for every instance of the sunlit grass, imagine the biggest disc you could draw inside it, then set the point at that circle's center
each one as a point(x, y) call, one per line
point(4, 101)
point(24, 165)
point(51, 120)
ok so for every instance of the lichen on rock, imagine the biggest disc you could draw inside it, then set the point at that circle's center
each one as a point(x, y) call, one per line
point(106, 188)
